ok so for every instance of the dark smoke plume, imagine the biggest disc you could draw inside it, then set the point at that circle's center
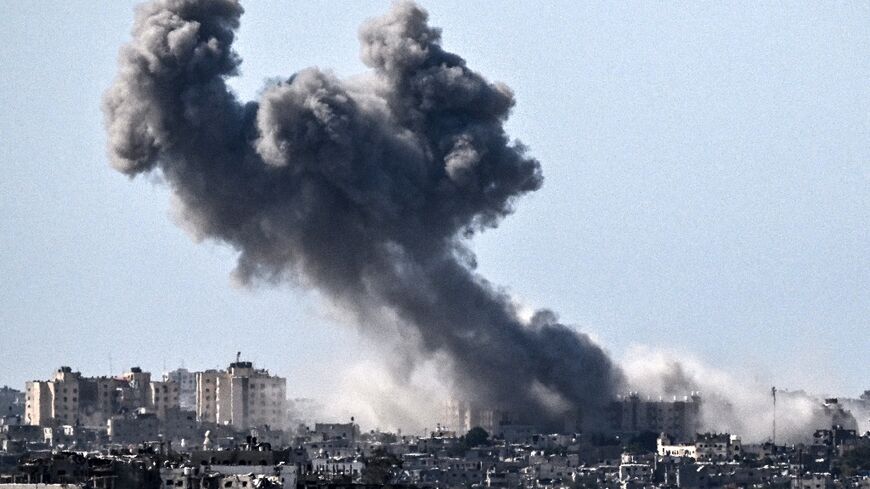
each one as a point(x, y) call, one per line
point(364, 189)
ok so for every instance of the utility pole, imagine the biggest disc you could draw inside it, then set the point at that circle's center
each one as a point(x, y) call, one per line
point(773, 393)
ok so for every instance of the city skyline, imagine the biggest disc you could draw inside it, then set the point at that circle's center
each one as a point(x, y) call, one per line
point(743, 244)
point(245, 395)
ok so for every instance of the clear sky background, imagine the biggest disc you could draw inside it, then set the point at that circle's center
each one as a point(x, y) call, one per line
point(707, 189)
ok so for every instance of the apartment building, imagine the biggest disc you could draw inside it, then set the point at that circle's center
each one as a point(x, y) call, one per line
point(186, 381)
point(241, 396)
point(72, 399)
point(679, 417)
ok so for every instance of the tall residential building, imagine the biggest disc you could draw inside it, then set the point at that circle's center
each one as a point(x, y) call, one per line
point(241, 396)
point(71, 399)
point(186, 381)
point(53, 402)
point(679, 418)
point(460, 416)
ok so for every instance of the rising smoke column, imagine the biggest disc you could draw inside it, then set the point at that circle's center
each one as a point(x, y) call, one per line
point(364, 189)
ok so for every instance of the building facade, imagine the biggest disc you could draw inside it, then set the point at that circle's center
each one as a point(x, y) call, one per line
point(186, 381)
point(72, 399)
point(679, 418)
point(460, 416)
point(241, 396)
point(164, 397)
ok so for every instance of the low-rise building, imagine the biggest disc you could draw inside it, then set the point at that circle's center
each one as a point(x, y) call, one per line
point(665, 447)
point(137, 427)
point(717, 447)
point(229, 477)
point(336, 431)
point(813, 481)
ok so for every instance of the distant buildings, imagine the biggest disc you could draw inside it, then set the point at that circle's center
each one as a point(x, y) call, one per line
point(336, 431)
point(164, 397)
point(628, 415)
point(72, 399)
point(679, 418)
point(186, 381)
point(149, 442)
point(241, 397)
point(461, 416)
point(11, 402)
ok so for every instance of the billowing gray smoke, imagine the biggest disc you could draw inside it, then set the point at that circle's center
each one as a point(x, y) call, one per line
point(364, 189)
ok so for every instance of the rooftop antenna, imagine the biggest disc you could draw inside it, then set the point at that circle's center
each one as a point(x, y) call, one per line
point(773, 393)
point(111, 370)
point(238, 356)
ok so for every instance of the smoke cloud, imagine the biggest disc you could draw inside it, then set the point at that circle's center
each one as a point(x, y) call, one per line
point(729, 404)
point(365, 189)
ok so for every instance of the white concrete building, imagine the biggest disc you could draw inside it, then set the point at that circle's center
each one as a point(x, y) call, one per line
point(241, 396)
point(665, 447)
point(55, 401)
point(350, 466)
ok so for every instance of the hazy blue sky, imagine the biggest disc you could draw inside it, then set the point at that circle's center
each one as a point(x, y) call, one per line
point(707, 171)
